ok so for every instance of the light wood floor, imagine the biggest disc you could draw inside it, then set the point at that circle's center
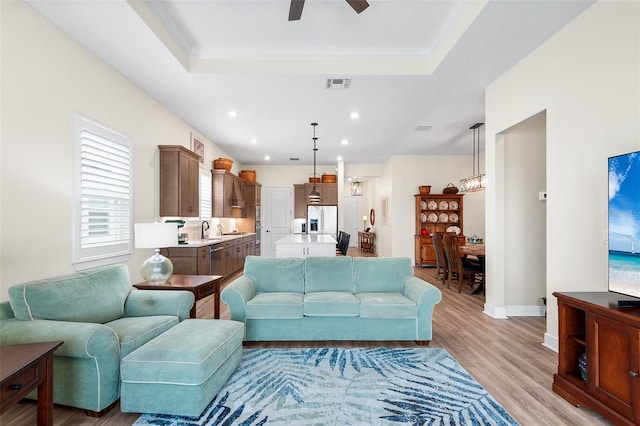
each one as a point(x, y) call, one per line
point(505, 356)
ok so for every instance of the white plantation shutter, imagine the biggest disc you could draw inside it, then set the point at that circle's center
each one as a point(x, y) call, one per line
point(205, 194)
point(103, 195)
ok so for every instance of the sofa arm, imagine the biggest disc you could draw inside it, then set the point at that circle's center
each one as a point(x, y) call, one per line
point(81, 339)
point(145, 303)
point(237, 294)
point(425, 296)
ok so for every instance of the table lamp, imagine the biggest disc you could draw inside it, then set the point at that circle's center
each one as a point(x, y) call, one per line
point(364, 223)
point(157, 269)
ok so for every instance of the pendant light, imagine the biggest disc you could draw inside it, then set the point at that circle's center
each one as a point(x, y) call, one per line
point(477, 181)
point(314, 195)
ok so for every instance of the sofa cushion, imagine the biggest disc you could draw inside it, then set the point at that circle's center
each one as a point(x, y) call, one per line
point(381, 274)
point(276, 274)
point(275, 305)
point(386, 305)
point(74, 297)
point(331, 304)
point(329, 274)
point(134, 332)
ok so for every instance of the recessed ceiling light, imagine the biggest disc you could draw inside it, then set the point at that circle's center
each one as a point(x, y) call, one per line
point(232, 114)
point(267, 157)
point(254, 141)
point(344, 142)
point(339, 158)
point(354, 115)
point(349, 179)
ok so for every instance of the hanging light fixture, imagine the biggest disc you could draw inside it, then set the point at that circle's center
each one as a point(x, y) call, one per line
point(477, 181)
point(356, 188)
point(314, 195)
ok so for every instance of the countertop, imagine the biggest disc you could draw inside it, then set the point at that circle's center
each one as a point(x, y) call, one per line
point(215, 240)
point(307, 238)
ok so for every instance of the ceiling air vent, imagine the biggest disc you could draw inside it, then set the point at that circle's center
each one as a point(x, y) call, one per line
point(338, 83)
point(422, 128)
point(294, 159)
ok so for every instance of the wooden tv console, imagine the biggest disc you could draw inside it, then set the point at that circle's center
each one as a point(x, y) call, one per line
point(592, 323)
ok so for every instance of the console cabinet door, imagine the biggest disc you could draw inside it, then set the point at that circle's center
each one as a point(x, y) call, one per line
point(613, 363)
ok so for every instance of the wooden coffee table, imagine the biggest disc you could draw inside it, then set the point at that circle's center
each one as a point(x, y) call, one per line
point(200, 285)
point(25, 367)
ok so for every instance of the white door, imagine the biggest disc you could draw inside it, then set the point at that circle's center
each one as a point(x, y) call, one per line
point(276, 216)
point(350, 205)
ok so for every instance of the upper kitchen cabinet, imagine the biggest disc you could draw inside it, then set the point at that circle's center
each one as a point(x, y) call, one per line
point(228, 194)
point(179, 181)
point(328, 195)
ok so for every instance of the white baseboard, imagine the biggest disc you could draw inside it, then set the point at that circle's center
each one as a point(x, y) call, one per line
point(526, 311)
point(495, 312)
point(550, 342)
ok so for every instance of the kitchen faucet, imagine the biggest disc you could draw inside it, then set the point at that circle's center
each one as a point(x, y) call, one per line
point(203, 236)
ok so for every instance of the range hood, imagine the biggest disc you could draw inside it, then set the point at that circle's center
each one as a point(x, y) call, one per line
point(237, 200)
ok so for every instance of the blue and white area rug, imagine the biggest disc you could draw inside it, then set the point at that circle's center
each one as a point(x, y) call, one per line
point(335, 386)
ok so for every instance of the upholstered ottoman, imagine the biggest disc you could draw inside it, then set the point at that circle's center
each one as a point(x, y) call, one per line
point(180, 371)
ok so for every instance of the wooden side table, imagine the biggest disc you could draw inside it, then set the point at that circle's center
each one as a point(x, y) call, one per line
point(366, 241)
point(200, 285)
point(25, 367)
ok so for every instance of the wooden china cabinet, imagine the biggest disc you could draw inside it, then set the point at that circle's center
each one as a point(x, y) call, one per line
point(435, 213)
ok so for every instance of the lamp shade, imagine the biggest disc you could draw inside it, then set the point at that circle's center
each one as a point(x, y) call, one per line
point(156, 235)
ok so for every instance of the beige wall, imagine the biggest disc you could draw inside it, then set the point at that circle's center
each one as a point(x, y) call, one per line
point(587, 79)
point(46, 77)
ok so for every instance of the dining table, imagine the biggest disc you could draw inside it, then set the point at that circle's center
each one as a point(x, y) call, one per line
point(476, 250)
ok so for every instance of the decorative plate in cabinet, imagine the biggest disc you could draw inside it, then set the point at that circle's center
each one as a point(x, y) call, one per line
point(453, 205)
point(433, 218)
point(423, 217)
point(423, 205)
point(444, 218)
point(443, 205)
point(453, 218)
point(432, 205)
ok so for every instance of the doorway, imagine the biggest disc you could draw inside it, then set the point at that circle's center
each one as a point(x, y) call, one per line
point(525, 216)
point(276, 216)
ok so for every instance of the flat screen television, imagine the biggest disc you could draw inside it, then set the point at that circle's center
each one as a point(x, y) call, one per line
point(624, 226)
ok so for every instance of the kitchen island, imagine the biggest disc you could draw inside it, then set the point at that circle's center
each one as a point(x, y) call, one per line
point(305, 245)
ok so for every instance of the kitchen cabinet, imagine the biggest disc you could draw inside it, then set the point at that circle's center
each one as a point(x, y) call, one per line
point(435, 213)
point(592, 325)
point(223, 258)
point(227, 187)
point(297, 245)
point(250, 222)
point(188, 260)
point(179, 181)
point(328, 195)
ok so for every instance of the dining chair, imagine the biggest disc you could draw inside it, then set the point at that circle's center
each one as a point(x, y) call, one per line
point(340, 236)
point(458, 268)
point(442, 267)
point(343, 245)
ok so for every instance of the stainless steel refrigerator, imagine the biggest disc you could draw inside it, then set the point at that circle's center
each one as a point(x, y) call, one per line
point(322, 220)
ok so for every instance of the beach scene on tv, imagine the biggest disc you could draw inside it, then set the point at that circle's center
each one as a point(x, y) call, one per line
point(624, 224)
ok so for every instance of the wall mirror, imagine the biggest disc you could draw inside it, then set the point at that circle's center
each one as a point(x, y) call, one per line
point(372, 217)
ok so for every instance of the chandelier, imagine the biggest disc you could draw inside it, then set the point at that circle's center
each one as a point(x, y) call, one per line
point(477, 181)
point(357, 188)
point(314, 195)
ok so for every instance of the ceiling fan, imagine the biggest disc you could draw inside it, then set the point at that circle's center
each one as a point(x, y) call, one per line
point(295, 10)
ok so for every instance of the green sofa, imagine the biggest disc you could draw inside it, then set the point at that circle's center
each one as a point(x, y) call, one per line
point(100, 317)
point(332, 298)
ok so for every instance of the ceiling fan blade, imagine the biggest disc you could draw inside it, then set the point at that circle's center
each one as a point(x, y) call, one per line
point(295, 10)
point(358, 5)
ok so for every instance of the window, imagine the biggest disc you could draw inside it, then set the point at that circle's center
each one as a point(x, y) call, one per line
point(102, 196)
point(205, 195)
